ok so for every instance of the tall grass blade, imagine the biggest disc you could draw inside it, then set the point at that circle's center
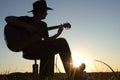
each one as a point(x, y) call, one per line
point(116, 76)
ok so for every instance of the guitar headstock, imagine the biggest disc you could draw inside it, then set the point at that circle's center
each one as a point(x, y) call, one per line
point(66, 25)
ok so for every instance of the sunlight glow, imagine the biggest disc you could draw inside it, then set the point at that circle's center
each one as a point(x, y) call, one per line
point(79, 59)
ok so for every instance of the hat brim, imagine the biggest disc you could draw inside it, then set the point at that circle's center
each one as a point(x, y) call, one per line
point(48, 8)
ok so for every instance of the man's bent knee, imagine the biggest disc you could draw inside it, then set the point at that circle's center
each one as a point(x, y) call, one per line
point(62, 39)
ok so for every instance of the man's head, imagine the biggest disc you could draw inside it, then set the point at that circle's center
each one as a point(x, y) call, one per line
point(40, 5)
point(40, 8)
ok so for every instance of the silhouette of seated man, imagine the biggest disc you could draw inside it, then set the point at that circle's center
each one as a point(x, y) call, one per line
point(33, 39)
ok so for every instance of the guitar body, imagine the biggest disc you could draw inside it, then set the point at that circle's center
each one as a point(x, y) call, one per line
point(12, 37)
point(18, 38)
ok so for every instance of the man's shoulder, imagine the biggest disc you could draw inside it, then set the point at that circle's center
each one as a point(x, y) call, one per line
point(25, 18)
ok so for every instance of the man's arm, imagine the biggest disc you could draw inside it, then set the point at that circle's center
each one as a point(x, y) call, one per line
point(58, 33)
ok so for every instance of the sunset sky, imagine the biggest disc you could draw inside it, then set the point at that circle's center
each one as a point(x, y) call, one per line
point(94, 35)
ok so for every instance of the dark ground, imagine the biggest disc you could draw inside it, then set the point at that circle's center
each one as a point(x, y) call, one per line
point(58, 76)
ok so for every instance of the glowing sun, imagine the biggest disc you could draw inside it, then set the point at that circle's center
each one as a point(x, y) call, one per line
point(79, 59)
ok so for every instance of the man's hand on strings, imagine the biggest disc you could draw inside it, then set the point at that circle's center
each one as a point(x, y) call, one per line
point(60, 29)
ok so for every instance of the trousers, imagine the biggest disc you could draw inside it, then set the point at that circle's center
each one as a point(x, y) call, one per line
point(46, 50)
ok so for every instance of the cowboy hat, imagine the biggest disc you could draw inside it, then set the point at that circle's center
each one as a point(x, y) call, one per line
point(40, 5)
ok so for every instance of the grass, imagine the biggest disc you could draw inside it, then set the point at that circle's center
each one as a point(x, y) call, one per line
point(61, 76)
point(28, 76)
point(115, 75)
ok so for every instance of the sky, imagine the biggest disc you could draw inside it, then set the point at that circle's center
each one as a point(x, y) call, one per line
point(94, 35)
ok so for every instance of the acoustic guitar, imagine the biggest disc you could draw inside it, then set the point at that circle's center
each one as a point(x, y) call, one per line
point(16, 37)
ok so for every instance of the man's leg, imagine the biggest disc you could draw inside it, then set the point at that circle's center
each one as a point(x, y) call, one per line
point(62, 47)
point(46, 67)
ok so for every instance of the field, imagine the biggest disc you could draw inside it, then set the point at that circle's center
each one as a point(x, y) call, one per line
point(62, 76)
point(58, 76)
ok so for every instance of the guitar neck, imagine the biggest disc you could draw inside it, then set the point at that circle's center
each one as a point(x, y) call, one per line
point(53, 27)
point(65, 25)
